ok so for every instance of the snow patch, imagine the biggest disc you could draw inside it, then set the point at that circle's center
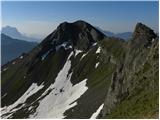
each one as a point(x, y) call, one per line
point(96, 65)
point(47, 90)
point(21, 101)
point(62, 97)
point(66, 47)
point(62, 45)
point(83, 56)
point(94, 44)
point(5, 69)
point(21, 57)
point(77, 52)
point(30, 108)
point(94, 115)
point(98, 50)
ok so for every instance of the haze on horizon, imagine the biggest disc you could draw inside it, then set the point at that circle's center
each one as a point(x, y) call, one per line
point(38, 19)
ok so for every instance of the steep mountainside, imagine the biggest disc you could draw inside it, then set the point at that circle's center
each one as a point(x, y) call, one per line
point(12, 48)
point(77, 72)
point(133, 92)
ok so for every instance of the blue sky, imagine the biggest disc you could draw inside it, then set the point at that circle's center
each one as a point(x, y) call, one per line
point(40, 18)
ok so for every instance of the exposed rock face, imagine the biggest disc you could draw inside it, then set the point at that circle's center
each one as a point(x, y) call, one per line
point(142, 30)
point(79, 34)
point(142, 35)
point(131, 76)
point(78, 70)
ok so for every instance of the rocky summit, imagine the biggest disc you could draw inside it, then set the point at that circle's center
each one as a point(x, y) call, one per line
point(78, 72)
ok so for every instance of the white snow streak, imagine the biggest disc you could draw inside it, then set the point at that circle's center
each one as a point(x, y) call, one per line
point(97, 112)
point(96, 65)
point(11, 108)
point(98, 50)
point(94, 44)
point(83, 56)
point(62, 97)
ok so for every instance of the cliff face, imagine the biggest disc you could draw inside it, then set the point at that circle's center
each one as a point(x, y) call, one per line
point(133, 92)
point(76, 72)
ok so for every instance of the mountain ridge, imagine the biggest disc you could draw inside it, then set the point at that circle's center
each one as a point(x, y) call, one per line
point(92, 75)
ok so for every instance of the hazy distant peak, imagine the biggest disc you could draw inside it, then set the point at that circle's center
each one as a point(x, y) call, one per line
point(123, 35)
point(14, 33)
point(10, 30)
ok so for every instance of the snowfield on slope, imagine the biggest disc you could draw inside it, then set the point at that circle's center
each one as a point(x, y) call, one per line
point(21, 101)
point(62, 97)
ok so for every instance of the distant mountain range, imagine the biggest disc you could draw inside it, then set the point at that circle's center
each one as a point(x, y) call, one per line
point(12, 48)
point(123, 35)
point(77, 72)
point(14, 33)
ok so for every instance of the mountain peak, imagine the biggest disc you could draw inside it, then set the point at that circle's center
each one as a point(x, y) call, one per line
point(80, 34)
point(10, 31)
point(81, 23)
point(13, 32)
point(7, 26)
point(142, 30)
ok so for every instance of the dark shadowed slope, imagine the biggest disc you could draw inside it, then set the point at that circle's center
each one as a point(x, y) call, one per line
point(12, 48)
point(78, 72)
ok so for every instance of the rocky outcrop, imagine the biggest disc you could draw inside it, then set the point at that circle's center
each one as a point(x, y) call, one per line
point(126, 78)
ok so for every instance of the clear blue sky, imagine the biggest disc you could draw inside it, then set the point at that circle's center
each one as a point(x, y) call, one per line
point(35, 18)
